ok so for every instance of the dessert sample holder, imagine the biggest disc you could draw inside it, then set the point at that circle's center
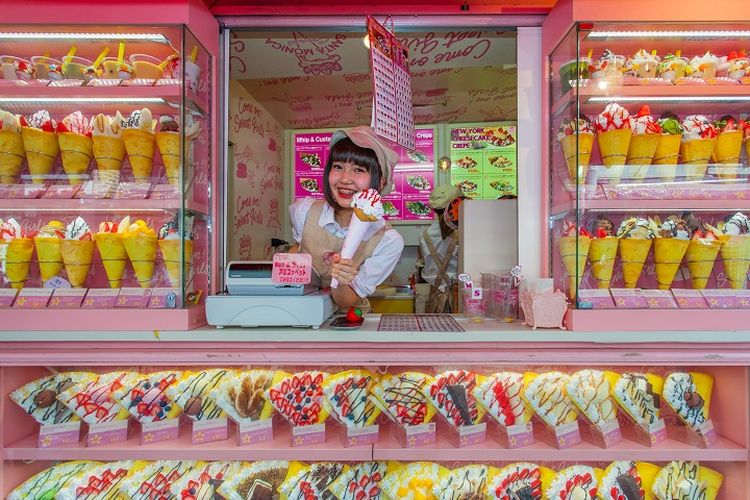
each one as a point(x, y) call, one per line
point(704, 436)
point(163, 430)
point(257, 431)
point(306, 435)
point(207, 431)
point(645, 434)
point(604, 435)
point(560, 436)
point(516, 436)
point(467, 435)
point(56, 435)
point(410, 436)
point(358, 436)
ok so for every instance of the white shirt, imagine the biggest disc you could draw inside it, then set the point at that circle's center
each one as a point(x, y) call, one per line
point(376, 268)
point(430, 271)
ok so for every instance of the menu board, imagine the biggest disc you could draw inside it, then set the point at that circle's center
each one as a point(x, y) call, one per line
point(413, 177)
point(392, 113)
point(483, 160)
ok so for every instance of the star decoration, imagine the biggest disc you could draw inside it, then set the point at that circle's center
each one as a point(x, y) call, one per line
point(88, 302)
point(464, 441)
point(620, 302)
point(148, 437)
point(740, 194)
point(412, 441)
point(298, 441)
point(198, 437)
point(682, 302)
point(96, 439)
point(744, 302)
point(46, 441)
point(652, 302)
point(561, 442)
point(155, 301)
point(21, 301)
point(56, 301)
point(121, 301)
point(246, 439)
point(713, 302)
point(513, 441)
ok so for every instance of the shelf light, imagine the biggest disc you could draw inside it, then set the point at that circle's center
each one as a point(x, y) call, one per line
point(94, 37)
point(716, 99)
point(702, 35)
point(95, 100)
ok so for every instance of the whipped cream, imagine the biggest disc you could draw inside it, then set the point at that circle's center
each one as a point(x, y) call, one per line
point(369, 202)
point(614, 117)
point(736, 224)
point(77, 230)
point(697, 127)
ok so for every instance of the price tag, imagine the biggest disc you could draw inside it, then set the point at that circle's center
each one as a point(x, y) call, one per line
point(107, 433)
point(33, 298)
point(567, 435)
point(7, 296)
point(65, 298)
point(357, 436)
point(163, 430)
point(418, 435)
point(54, 435)
point(291, 269)
point(253, 432)
point(308, 434)
point(476, 293)
point(206, 431)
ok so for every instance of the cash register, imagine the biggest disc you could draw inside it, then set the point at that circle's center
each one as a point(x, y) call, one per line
point(253, 300)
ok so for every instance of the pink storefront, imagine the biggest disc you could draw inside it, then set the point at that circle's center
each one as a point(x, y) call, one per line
point(599, 153)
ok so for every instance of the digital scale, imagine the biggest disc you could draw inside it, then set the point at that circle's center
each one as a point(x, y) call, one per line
point(254, 300)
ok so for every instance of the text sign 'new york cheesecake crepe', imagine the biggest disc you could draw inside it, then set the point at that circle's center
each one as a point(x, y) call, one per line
point(240, 395)
point(500, 394)
point(39, 397)
point(348, 393)
point(403, 397)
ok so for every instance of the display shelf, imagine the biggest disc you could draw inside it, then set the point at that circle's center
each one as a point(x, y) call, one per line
point(98, 205)
point(672, 319)
point(277, 449)
point(388, 448)
point(647, 206)
point(160, 99)
point(721, 98)
point(113, 319)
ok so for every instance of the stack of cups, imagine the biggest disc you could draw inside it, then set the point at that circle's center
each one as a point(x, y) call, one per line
point(502, 295)
point(489, 282)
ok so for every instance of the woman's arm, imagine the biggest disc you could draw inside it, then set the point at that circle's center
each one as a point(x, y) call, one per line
point(344, 271)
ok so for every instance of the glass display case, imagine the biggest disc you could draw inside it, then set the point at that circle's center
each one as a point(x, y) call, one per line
point(648, 166)
point(105, 171)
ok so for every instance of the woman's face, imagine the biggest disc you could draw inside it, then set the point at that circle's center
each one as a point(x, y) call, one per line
point(347, 179)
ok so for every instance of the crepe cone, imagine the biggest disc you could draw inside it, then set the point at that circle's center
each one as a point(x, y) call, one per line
point(695, 156)
point(602, 254)
point(735, 252)
point(641, 152)
point(49, 256)
point(747, 153)
point(41, 150)
point(76, 151)
point(141, 249)
point(18, 261)
point(11, 156)
point(574, 250)
point(727, 150)
point(169, 149)
point(77, 256)
point(633, 253)
point(109, 152)
point(614, 145)
point(701, 256)
point(580, 154)
point(667, 154)
point(114, 257)
point(354, 236)
point(668, 254)
point(140, 147)
point(171, 252)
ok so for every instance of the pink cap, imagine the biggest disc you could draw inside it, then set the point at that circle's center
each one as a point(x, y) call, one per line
point(365, 137)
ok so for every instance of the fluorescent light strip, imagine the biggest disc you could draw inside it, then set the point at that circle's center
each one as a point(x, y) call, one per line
point(600, 35)
point(739, 98)
point(106, 100)
point(133, 37)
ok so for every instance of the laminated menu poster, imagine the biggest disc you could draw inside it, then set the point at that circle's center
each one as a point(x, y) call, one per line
point(483, 160)
point(392, 97)
point(413, 177)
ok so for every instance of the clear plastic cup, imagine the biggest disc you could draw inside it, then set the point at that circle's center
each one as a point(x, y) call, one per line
point(73, 68)
point(502, 295)
point(474, 305)
point(488, 287)
point(113, 71)
point(15, 68)
point(47, 68)
point(146, 66)
point(192, 74)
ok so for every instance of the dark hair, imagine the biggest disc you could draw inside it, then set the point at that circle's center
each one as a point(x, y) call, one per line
point(345, 151)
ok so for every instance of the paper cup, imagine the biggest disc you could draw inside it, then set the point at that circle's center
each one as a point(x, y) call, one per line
point(146, 66)
point(74, 67)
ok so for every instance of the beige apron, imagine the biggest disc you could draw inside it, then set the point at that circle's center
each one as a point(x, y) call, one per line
point(441, 301)
point(318, 243)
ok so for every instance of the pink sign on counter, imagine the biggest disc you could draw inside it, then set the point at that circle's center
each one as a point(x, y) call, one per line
point(100, 298)
point(67, 298)
point(292, 268)
point(358, 436)
point(743, 298)
point(33, 298)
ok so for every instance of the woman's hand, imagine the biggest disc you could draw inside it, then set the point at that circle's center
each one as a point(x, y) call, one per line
point(344, 270)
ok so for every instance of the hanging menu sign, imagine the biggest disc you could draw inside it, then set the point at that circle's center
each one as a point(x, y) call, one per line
point(392, 107)
point(413, 177)
point(483, 160)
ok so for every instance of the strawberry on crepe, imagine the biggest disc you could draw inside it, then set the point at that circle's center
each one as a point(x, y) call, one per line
point(702, 251)
point(728, 146)
point(74, 134)
point(643, 143)
point(77, 252)
point(40, 143)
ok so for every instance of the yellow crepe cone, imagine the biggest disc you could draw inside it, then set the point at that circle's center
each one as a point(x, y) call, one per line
point(11, 156)
point(602, 254)
point(140, 146)
point(76, 151)
point(77, 256)
point(633, 253)
point(574, 251)
point(667, 154)
point(712, 479)
point(727, 150)
point(747, 151)
point(695, 156)
point(169, 149)
point(735, 252)
point(641, 152)
point(41, 151)
point(701, 257)
point(580, 154)
point(170, 251)
point(114, 257)
point(668, 254)
point(18, 261)
point(109, 152)
point(49, 256)
point(141, 249)
point(614, 145)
